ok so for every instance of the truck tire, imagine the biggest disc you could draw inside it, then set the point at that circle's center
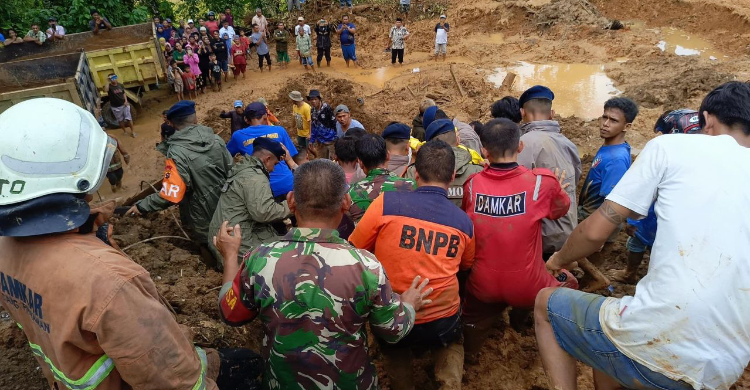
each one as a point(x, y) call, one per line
point(109, 116)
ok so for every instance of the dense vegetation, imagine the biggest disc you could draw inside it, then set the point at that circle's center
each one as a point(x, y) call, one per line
point(74, 15)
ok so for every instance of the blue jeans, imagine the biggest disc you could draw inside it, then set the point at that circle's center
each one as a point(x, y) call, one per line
point(574, 316)
point(635, 245)
point(348, 3)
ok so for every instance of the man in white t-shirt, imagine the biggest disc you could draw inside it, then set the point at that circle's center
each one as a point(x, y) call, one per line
point(441, 38)
point(688, 324)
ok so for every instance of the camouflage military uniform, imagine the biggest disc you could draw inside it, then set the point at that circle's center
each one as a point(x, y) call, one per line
point(314, 292)
point(366, 190)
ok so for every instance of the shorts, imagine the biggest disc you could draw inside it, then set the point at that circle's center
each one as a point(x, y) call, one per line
point(217, 78)
point(179, 87)
point(224, 65)
point(348, 3)
point(302, 142)
point(307, 60)
point(115, 176)
point(350, 52)
point(440, 332)
point(635, 245)
point(574, 316)
point(282, 56)
point(240, 68)
point(441, 48)
point(404, 8)
point(122, 113)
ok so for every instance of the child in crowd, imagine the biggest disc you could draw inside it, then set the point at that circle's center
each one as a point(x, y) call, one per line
point(215, 70)
point(179, 85)
point(304, 49)
point(170, 74)
point(166, 128)
point(238, 55)
point(188, 78)
point(245, 40)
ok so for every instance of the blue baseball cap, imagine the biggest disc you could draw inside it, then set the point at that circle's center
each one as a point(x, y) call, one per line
point(255, 110)
point(181, 108)
point(440, 126)
point(269, 145)
point(397, 131)
point(238, 103)
point(536, 92)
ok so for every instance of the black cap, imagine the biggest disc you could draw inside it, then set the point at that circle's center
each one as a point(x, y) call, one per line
point(397, 131)
point(314, 93)
point(270, 145)
point(255, 110)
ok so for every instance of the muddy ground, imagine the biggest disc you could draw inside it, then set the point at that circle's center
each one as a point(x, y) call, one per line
point(487, 34)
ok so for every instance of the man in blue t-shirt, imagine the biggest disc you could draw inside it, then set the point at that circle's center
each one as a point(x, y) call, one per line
point(643, 232)
point(613, 158)
point(346, 31)
point(609, 165)
point(282, 179)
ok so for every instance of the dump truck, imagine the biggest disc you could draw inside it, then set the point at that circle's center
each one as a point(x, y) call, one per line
point(131, 52)
point(64, 76)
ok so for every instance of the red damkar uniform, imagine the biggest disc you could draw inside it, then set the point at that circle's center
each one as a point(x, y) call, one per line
point(506, 203)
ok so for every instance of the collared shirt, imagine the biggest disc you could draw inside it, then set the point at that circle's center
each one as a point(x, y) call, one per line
point(228, 30)
point(378, 180)
point(59, 30)
point(404, 225)
point(40, 35)
point(546, 147)
point(261, 22)
point(323, 125)
point(282, 179)
point(314, 293)
point(296, 30)
point(397, 37)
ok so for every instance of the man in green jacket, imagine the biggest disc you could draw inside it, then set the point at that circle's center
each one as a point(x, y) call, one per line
point(246, 198)
point(197, 165)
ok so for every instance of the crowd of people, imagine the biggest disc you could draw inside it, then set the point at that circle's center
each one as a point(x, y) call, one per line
point(427, 232)
point(312, 237)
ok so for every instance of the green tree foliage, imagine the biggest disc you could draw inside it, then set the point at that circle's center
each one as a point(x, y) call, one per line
point(73, 15)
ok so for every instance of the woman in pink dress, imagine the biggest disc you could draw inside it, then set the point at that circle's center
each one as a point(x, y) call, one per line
point(191, 59)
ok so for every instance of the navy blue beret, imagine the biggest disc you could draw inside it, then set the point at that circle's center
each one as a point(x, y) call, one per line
point(440, 126)
point(181, 109)
point(536, 92)
point(429, 116)
point(269, 145)
point(397, 131)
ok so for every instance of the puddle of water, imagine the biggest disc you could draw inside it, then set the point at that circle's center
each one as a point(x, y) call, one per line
point(378, 77)
point(681, 43)
point(580, 89)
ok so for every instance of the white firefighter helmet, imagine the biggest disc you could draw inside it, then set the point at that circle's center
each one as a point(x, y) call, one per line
point(51, 146)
